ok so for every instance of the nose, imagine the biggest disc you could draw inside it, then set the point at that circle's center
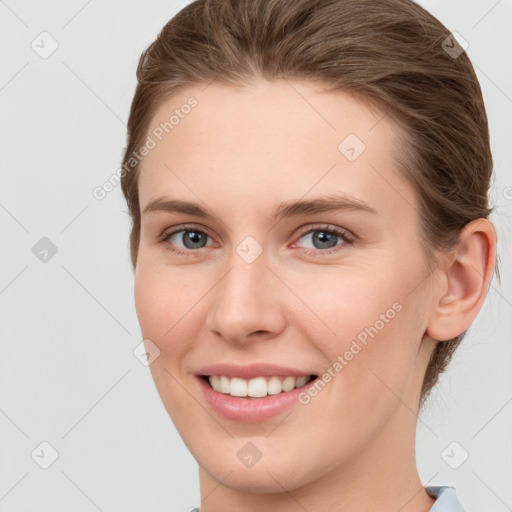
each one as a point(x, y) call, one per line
point(247, 303)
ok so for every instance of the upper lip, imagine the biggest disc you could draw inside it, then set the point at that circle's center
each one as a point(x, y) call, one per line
point(249, 371)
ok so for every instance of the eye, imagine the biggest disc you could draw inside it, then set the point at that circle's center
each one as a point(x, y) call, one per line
point(188, 240)
point(326, 239)
point(185, 240)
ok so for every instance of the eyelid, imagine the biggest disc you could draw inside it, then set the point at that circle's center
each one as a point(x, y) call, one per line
point(348, 236)
point(345, 233)
point(184, 227)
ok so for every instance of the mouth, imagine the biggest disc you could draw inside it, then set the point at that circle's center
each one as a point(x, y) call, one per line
point(257, 387)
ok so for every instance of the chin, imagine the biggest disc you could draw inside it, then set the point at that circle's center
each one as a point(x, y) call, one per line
point(259, 481)
point(264, 477)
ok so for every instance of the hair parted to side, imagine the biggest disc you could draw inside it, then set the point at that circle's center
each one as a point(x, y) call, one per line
point(387, 52)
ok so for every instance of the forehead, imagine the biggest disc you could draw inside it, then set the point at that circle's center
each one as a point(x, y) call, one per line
point(274, 140)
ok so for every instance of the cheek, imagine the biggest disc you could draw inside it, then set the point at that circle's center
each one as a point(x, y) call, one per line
point(150, 298)
point(350, 305)
point(368, 329)
point(163, 302)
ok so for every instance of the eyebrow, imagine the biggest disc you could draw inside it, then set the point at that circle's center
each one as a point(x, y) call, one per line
point(285, 209)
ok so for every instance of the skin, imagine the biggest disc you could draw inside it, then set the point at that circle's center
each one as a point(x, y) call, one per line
point(241, 153)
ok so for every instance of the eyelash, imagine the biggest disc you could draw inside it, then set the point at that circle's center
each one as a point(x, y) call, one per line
point(348, 239)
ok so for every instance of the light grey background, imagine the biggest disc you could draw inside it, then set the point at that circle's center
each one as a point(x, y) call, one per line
point(68, 375)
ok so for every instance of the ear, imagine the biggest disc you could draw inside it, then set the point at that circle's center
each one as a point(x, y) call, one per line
point(466, 279)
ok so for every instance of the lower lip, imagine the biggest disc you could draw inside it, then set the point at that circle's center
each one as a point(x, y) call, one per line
point(250, 410)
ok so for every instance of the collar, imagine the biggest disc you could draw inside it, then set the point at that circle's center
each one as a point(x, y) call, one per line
point(446, 499)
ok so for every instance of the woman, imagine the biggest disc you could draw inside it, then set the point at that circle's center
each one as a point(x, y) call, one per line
point(308, 184)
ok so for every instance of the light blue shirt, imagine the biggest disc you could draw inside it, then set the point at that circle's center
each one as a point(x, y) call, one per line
point(446, 499)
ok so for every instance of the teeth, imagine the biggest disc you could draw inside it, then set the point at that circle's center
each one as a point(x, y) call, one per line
point(257, 387)
point(301, 381)
point(288, 383)
point(274, 386)
point(238, 387)
point(224, 385)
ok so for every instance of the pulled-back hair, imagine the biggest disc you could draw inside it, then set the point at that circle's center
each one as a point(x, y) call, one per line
point(391, 53)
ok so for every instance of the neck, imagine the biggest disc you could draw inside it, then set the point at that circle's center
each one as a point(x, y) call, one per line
point(382, 477)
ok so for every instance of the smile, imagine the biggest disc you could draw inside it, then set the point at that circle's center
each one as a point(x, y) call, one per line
point(257, 387)
point(254, 399)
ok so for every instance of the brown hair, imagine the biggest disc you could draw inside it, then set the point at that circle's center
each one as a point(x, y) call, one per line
point(392, 53)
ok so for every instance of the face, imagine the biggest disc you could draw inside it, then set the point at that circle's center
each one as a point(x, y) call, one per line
point(298, 256)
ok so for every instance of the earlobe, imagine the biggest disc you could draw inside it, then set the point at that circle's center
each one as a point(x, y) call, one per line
point(466, 280)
